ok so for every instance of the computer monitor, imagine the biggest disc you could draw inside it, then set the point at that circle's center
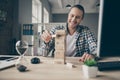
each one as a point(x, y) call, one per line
point(109, 29)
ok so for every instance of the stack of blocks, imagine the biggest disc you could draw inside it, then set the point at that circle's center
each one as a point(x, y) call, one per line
point(60, 49)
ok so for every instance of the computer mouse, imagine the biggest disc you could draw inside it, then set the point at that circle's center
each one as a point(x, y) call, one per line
point(35, 60)
point(21, 68)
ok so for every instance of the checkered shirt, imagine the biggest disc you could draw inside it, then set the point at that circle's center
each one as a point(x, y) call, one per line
point(86, 42)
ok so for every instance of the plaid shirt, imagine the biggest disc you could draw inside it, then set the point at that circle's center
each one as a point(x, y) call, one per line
point(86, 42)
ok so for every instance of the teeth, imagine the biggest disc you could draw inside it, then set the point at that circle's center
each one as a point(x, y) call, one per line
point(72, 23)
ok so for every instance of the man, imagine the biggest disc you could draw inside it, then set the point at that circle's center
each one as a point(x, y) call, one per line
point(79, 40)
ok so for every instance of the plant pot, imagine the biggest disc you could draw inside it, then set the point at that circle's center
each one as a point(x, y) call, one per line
point(89, 71)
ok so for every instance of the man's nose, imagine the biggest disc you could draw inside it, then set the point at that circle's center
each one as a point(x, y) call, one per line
point(74, 18)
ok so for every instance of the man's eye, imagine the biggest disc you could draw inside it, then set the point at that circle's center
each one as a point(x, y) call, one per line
point(78, 17)
point(72, 15)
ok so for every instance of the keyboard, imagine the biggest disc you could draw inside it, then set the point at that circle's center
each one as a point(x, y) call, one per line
point(7, 58)
point(110, 65)
point(7, 62)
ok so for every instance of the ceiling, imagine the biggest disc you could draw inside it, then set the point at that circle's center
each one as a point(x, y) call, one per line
point(59, 6)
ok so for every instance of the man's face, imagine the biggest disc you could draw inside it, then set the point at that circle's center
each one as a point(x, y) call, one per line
point(74, 17)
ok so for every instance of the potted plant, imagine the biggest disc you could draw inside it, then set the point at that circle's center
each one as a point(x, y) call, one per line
point(90, 68)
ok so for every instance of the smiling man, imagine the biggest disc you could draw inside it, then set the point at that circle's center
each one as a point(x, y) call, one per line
point(80, 41)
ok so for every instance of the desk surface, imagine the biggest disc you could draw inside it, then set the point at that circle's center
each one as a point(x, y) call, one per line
point(49, 71)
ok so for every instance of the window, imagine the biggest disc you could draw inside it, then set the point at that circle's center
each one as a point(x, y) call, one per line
point(46, 16)
point(36, 11)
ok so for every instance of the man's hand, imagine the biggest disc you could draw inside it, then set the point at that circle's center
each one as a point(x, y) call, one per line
point(46, 37)
point(86, 56)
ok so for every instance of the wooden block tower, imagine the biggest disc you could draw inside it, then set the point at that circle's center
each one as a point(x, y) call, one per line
point(60, 49)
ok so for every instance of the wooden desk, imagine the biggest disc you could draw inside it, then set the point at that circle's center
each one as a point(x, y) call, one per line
point(49, 71)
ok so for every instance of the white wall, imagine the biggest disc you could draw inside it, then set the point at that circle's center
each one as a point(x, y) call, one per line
point(91, 20)
point(25, 11)
point(59, 17)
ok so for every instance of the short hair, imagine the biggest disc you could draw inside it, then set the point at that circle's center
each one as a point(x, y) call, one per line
point(80, 7)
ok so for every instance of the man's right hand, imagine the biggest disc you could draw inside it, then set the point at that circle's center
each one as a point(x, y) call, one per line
point(46, 36)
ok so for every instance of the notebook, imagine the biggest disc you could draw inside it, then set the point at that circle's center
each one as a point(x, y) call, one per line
point(7, 61)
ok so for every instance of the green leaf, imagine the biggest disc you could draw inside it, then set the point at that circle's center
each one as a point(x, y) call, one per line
point(90, 62)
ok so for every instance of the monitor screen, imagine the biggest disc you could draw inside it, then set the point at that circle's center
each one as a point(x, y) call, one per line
point(110, 29)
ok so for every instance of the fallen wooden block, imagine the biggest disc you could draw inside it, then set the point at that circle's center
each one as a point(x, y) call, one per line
point(70, 65)
point(53, 35)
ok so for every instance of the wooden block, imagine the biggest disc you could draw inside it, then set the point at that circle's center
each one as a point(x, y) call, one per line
point(59, 54)
point(53, 36)
point(60, 32)
point(59, 41)
point(69, 65)
point(60, 37)
point(60, 47)
point(59, 61)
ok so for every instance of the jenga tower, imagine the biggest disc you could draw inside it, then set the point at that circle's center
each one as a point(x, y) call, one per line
point(60, 46)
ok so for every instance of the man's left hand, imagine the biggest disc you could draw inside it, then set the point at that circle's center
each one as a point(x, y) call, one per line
point(86, 56)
